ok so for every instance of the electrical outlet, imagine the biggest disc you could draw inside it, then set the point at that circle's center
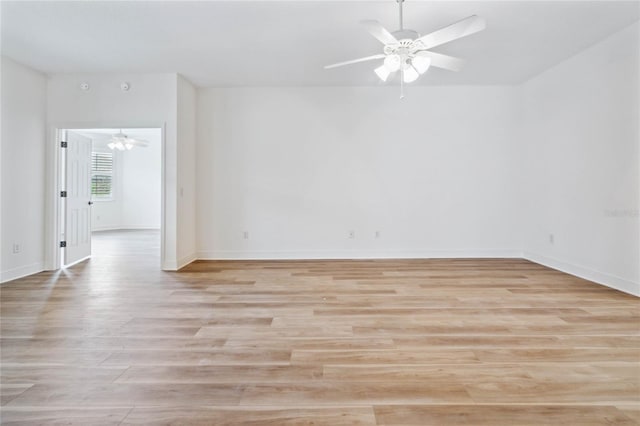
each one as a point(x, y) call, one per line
point(551, 239)
point(16, 248)
point(352, 235)
point(245, 235)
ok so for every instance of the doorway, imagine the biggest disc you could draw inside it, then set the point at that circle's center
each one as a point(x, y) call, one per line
point(111, 183)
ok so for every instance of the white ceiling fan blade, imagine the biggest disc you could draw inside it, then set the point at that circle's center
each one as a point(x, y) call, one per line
point(443, 61)
point(355, 61)
point(376, 29)
point(463, 28)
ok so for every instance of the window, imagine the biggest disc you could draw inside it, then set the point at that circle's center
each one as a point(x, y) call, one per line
point(102, 175)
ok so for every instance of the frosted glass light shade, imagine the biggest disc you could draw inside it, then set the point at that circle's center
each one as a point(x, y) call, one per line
point(392, 62)
point(117, 143)
point(383, 72)
point(421, 63)
point(410, 74)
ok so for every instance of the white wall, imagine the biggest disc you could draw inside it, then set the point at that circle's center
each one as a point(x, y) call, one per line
point(186, 116)
point(23, 170)
point(142, 184)
point(582, 163)
point(298, 168)
point(137, 181)
point(151, 102)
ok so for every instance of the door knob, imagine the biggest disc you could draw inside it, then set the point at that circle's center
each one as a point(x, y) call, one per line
point(90, 202)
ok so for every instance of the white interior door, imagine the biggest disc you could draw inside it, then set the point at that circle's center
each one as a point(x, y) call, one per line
point(78, 200)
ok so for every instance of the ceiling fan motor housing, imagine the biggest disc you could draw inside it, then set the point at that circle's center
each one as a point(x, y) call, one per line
point(406, 47)
point(405, 34)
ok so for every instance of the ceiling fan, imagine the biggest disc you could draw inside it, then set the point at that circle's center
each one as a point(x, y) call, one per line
point(121, 142)
point(408, 52)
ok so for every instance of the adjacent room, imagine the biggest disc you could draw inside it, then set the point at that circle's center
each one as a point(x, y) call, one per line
point(110, 185)
point(396, 212)
point(126, 177)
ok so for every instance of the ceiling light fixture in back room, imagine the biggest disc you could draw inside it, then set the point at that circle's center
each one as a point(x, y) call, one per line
point(121, 142)
point(408, 52)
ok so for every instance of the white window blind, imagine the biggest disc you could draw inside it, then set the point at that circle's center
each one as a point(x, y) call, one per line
point(102, 174)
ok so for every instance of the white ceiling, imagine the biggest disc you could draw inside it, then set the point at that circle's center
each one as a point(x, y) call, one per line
point(150, 135)
point(286, 43)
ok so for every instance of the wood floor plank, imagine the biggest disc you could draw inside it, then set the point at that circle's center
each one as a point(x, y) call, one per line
point(220, 374)
point(326, 342)
point(381, 356)
point(60, 356)
point(124, 394)
point(452, 373)
point(321, 343)
point(273, 332)
point(32, 374)
point(632, 411)
point(10, 391)
point(517, 341)
point(210, 357)
point(558, 354)
point(265, 416)
point(535, 391)
point(73, 416)
point(345, 393)
point(109, 344)
point(500, 415)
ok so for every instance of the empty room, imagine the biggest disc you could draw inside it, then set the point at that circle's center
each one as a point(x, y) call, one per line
point(393, 212)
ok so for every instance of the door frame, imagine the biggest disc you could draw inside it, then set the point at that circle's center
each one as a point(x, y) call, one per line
point(53, 205)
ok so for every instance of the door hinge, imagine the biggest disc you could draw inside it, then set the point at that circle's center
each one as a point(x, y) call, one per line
point(63, 243)
point(63, 144)
point(63, 194)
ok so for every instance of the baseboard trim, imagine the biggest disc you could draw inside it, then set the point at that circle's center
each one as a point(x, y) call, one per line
point(157, 228)
point(598, 277)
point(105, 228)
point(21, 271)
point(120, 228)
point(187, 260)
point(180, 263)
point(602, 278)
point(355, 254)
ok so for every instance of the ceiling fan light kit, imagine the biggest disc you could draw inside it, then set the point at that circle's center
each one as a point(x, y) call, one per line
point(409, 53)
point(122, 142)
point(383, 72)
point(119, 145)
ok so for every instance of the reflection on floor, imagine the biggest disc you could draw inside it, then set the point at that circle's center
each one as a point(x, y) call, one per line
point(126, 243)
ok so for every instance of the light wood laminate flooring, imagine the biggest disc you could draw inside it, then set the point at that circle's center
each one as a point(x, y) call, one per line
point(114, 340)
